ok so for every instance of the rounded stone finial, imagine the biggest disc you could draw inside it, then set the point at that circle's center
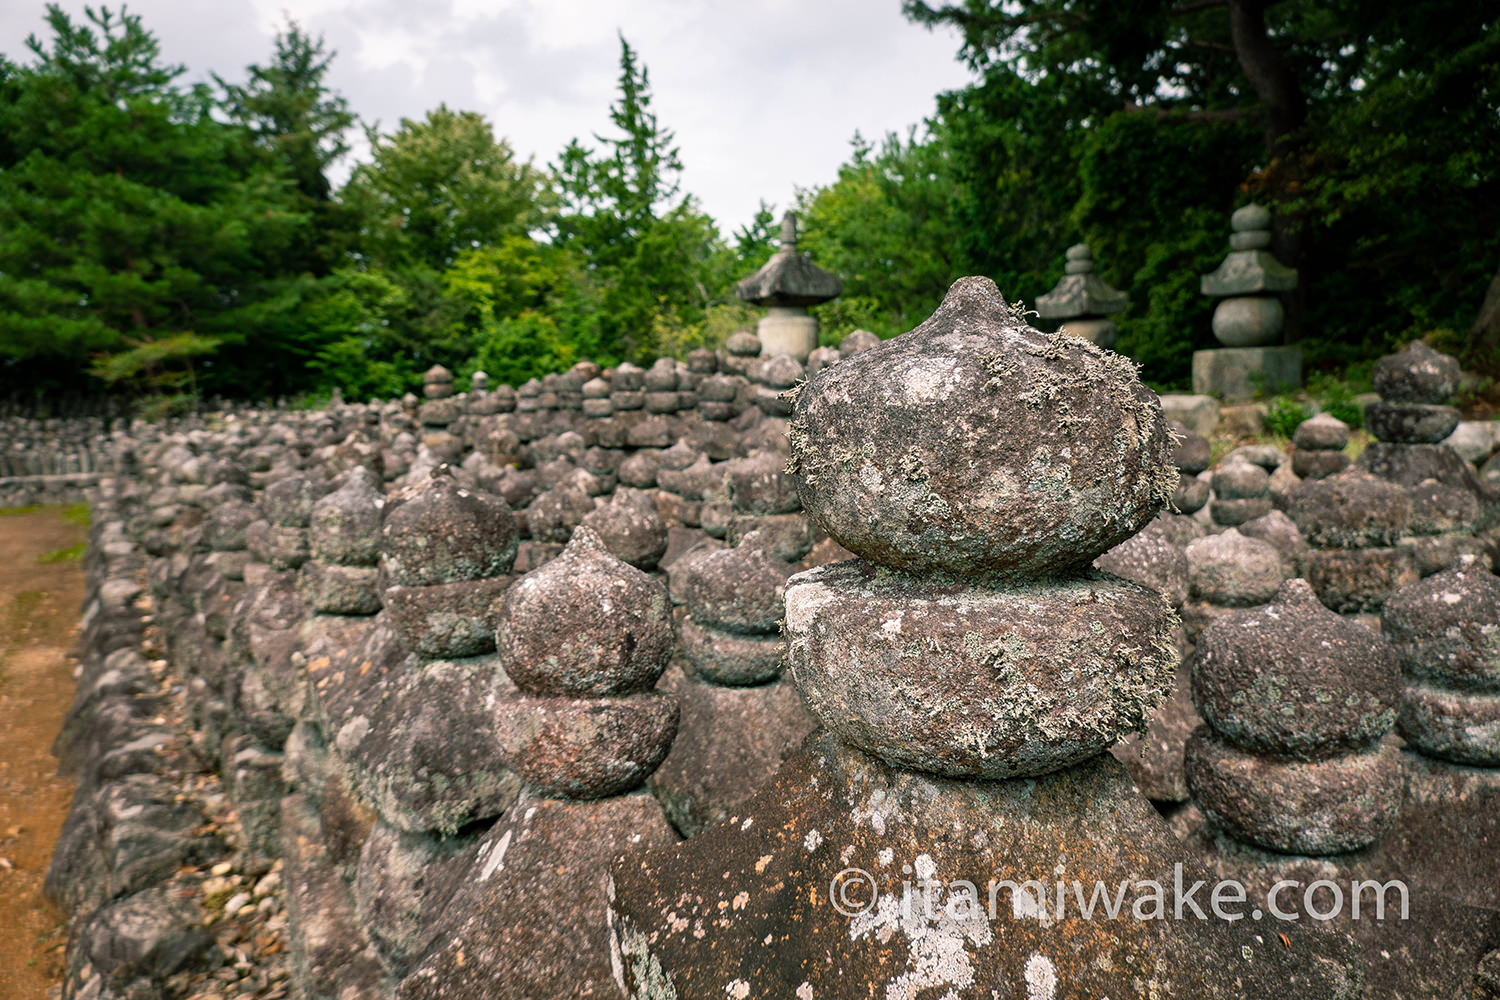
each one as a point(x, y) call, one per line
point(1296, 701)
point(1446, 629)
point(1249, 218)
point(978, 445)
point(1080, 259)
point(702, 361)
point(344, 526)
point(1351, 510)
point(1322, 432)
point(782, 372)
point(858, 341)
point(585, 625)
point(1416, 375)
point(448, 534)
point(437, 383)
point(743, 344)
point(1296, 680)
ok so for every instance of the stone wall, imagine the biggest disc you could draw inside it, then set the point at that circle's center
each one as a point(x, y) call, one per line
point(369, 697)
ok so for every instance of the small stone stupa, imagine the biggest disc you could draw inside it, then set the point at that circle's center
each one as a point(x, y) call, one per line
point(1248, 319)
point(1296, 701)
point(786, 286)
point(1083, 301)
point(970, 670)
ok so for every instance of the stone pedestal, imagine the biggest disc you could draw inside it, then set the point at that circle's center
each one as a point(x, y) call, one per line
point(1236, 373)
point(787, 330)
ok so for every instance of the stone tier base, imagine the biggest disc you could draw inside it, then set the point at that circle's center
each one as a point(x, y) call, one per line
point(1242, 372)
point(787, 331)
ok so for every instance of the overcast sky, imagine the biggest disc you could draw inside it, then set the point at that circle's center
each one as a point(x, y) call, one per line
point(764, 95)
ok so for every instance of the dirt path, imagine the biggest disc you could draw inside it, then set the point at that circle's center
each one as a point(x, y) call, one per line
point(41, 588)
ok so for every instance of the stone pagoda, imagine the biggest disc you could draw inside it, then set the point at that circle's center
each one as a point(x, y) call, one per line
point(971, 671)
point(786, 286)
point(1248, 319)
point(1083, 301)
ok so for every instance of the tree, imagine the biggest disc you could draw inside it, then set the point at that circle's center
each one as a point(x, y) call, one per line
point(433, 191)
point(437, 187)
point(1360, 124)
point(657, 259)
point(131, 220)
point(887, 227)
point(297, 121)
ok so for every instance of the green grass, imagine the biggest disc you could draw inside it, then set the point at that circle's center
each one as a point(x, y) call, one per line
point(69, 554)
point(73, 513)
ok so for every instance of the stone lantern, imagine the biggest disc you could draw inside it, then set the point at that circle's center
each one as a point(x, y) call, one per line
point(1083, 301)
point(1248, 320)
point(786, 286)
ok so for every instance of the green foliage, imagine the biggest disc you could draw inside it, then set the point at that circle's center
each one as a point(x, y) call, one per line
point(1283, 416)
point(1335, 396)
point(159, 364)
point(886, 227)
point(356, 318)
point(437, 187)
point(70, 554)
point(646, 247)
point(529, 306)
point(1137, 127)
point(131, 221)
point(79, 514)
point(299, 125)
point(174, 240)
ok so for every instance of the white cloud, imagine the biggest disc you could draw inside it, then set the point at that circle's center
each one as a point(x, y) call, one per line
point(763, 95)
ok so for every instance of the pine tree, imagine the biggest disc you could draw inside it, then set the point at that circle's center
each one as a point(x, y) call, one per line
point(135, 230)
point(649, 246)
point(301, 125)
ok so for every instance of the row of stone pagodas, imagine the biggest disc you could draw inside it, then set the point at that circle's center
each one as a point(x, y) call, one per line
point(1444, 629)
point(1303, 790)
point(581, 643)
point(970, 671)
point(1247, 321)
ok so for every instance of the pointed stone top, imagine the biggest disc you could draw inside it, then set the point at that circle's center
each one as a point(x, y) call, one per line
point(743, 344)
point(790, 278)
point(978, 445)
point(585, 625)
point(1294, 680)
point(448, 533)
point(1416, 375)
point(1080, 292)
point(436, 374)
